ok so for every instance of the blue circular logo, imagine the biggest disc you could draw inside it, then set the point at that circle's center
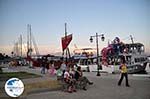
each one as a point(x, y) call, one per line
point(14, 87)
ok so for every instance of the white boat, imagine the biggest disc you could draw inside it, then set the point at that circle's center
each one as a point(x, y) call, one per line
point(134, 55)
point(135, 63)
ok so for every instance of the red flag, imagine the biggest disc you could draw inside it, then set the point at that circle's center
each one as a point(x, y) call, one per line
point(66, 41)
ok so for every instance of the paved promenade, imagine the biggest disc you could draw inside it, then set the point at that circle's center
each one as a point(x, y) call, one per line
point(105, 87)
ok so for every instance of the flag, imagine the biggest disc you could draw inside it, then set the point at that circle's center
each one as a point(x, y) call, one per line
point(66, 41)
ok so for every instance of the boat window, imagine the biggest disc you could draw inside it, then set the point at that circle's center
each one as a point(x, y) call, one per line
point(142, 59)
point(135, 60)
point(128, 59)
point(86, 62)
point(114, 60)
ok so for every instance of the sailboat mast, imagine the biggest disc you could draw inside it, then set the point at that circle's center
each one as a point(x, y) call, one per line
point(66, 38)
point(131, 39)
point(21, 45)
point(27, 39)
point(17, 51)
point(67, 49)
point(30, 39)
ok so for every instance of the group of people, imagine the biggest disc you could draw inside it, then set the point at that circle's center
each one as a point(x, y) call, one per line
point(47, 67)
point(72, 76)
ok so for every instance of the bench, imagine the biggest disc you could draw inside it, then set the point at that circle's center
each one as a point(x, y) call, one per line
point(60, 79)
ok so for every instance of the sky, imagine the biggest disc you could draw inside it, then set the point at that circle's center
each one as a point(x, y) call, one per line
point(113, 18)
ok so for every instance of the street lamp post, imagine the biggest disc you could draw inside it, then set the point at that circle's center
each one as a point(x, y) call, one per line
point(91, 39)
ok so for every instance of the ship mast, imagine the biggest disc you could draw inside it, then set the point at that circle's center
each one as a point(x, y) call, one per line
point(27, 39)
point(67, 49)
point(29, 42)
point(131, 39)
point(21, 45)
point(66, 38)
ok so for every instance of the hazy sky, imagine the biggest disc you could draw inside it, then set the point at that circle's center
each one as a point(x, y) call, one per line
point(84, 18)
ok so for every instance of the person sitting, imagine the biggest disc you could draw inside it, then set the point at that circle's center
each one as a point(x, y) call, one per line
point(72, 72)
point(63, 67)
point(79, 77)
point(69, 81)
point(52, 70)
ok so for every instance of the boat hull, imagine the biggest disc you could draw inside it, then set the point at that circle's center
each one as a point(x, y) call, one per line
point(136, 68)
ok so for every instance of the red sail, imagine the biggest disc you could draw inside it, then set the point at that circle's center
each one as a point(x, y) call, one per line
point(66, 41)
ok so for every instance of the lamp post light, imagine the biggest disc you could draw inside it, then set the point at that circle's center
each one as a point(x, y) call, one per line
point(91, 40)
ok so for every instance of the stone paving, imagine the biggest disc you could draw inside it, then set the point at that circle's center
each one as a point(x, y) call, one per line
point(105, 87)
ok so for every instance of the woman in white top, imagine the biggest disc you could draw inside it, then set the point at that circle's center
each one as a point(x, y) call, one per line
point(68, 79)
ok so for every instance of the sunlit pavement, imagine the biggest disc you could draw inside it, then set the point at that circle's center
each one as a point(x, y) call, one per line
point(105, 87)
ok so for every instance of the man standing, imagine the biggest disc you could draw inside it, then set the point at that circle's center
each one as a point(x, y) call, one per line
point(124, 73)
point(43, 65)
